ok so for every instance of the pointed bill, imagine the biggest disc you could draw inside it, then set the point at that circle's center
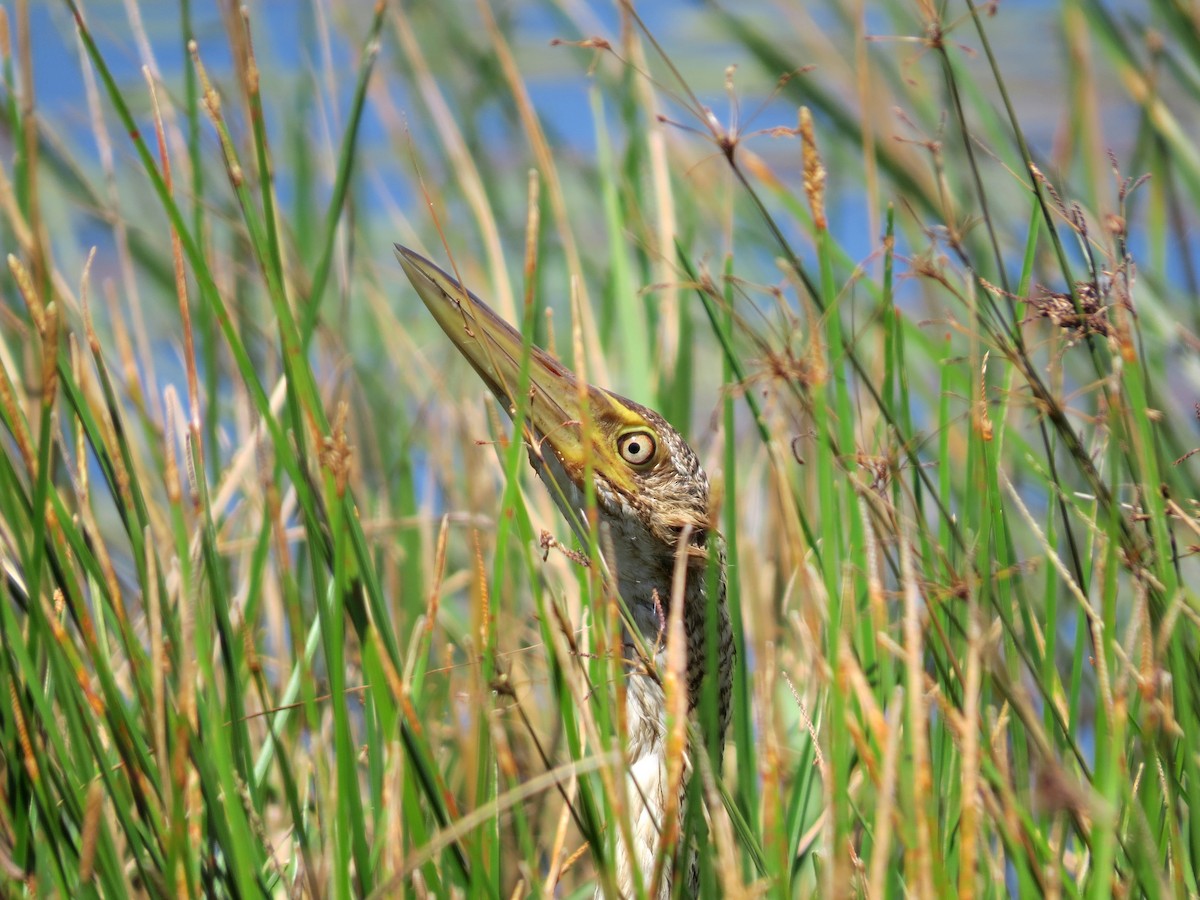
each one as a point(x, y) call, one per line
point(554, 410)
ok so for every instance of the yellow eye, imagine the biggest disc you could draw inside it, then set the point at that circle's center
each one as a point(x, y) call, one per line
point(636, 447)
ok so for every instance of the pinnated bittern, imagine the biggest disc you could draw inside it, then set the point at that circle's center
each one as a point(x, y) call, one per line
point(653, 494)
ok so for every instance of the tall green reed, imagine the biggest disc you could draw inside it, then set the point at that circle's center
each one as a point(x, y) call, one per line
point(291, 623)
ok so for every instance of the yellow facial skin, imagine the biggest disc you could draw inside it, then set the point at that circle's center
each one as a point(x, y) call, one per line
point(621, 439)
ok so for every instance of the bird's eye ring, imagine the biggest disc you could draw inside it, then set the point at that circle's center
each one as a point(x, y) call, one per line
point(637, 447)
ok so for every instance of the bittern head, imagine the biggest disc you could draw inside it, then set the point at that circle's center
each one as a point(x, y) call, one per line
point(649, 486)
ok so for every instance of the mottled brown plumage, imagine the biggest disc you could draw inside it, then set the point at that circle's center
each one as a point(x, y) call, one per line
point(651, 492)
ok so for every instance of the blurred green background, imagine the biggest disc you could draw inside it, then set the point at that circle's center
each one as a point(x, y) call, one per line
point(286, 626)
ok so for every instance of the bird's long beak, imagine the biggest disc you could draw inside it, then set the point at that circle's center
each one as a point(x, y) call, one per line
point(558, 404)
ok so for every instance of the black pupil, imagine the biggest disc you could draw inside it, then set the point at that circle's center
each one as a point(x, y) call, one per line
point(634, 448)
